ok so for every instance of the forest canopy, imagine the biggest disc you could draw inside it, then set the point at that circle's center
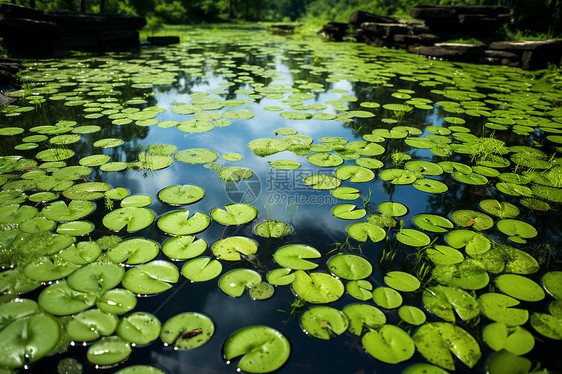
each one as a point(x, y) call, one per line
point(529, 16)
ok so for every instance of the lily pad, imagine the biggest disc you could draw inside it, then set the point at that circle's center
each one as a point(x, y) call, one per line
point(234, 173)
point(91, 325)
point(235, 282)
point(361, 231)
point(393, 208)
point(520, 287)
point(201, 269)
point(87, 191)
point(515, 340)
point(131, 218)
point(27, 339)
point(188, 330)
point(184, 247)
point(96, 277)
point(552, 283)
point(470, 218)
point(389, 344)
point(348, 211)
point(75, 228)
point(295, 256)
point(280, 276)
point(234, 214)
point(139, 328)
point(178, 222)
point(263, 349)
point(61, 300)
point(443, 301)
point(432, 222)
point(134, 251)
point(317, 288)
point(231, 248)
point(354, 173)
point(324, 159)
point(285, 164)
point(181, 194)
point(505, 362)
point(108, 351)
point(150, 278)
point(412, 315)
point(350, 267)
point(413, 238)
point(401, 281)
point(444, 255)
point(517, 230)
point(321, 182)
point(547, 325)
point(324, 322)
point(498, 307)
point(387, 297)
point(438, 341)
point(346, 193)
point(196, 156)
point(360, 289)
point(116, 301)
point(272, 229)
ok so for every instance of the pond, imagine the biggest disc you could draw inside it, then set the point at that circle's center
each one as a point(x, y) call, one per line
point(257, 203)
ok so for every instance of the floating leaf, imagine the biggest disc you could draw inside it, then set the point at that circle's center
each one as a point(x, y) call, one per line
point(294, 256)
point(361, 231)
point(317, 288)
point(412, 315)
point(187, 330)
point(350, 267)
point(131, 218)
point(324, 159)
point(134, 251)
point(231, 248)
point(498, 307)
point(201, 269)
point(234, 214)
point(389, 344)
point(354, 173)
point(321, 182)
point(178, 222)
point(547, 325)
point(263, 349)
point(280, 277)
point(272, 229)
point(360, 289)
point(552, 282)
point(520, 287)
point(96, 277)
point(443, 301)
point(285, 164)
point(116, 301)
point(108, 351)
point(324, 322)
point(59, 299)
point(150, 278)
point(348, 211)
point(432, 222)
point(181, 194)
point(234, 282)
point(401, 281)
point(470, 218)
point(437, 340)
point(184, 247)
point(196, 156)
point(387, 297)
point(413, 238)
point(504, 362)
point(517, 230)
point(90, 325)
point(139, 328)
point(515, 340)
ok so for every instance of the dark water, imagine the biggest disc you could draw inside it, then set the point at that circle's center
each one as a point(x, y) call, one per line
point(274, 69)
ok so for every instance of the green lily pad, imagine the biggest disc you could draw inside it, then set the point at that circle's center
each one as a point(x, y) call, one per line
point(393, 208)
point(91, 325)
point(263, 349)
point(475, 244)
point(362, 317)
point(517, 230)
point(108, 351)
point(201, 269)
point(178, 222)
point(285, 164)
point(231, 248)
point(354, 173)
point(139, 328)
point(234, 214)
point(361, 231)
point(94, 160)
point(398, 176)
point(348, 211)
point(61, 300)
point(267, 146)
point(188, 330)
point(280, 277)
point(134, 219)
point(96, 277)
point(235, 282)
point(324, 322)
point(424, 167)
point(498, 307)
point(324, 159)
point(117, 301)
point(444, 255)
point(552, 283)
point(349, 267)
point(429, 185)
point(108, 143)
point(387, 297)
point(234, 173)
point(515, 340)
point(359, 289)
point(389, 344)
point(262, 291)
point(437, 341)
point(505, 362)
point(413, 238)
point(321, 182)
point(118, 193)
point(412, 315)
point(547, 325)
point(150, 278)
point(272, 229)
point(294, 256)
point(470, 218)
point(317, 288)
point(443, 301)
point(75, 228)
point(87, 191)
point(184, 247)
point(27, 339)
point(15, 213)
point(467, 275)
point(432, 222)
point(424, 369)
point(181, 194)
point(520, 287)
point(49, 268)
point(136, 201)
point(134, 251)
point(196, 156)
point(401, 281)
point(346, 193)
